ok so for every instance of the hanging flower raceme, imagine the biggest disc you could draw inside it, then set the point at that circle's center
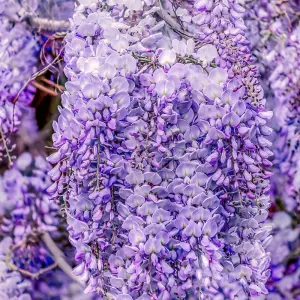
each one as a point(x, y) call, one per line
point(160, 160)
point(57, 285)
point(30, 212)
point(27, 261)
point(221, 23)
point(17, 64)
point(277, 50)
point(284, 280)
point(284, 80)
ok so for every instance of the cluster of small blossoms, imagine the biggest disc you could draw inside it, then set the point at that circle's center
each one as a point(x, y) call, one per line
point(284, 82)
point(28, 136)
point(284, 280)
point(277, 47)
point(29, 213)
point(286, 181)
point(278, 50)
point(26, 212)
point(61, 9)
point(161, 155)
point(267, 19)
point(12, 286)
point(221, 24)
point(56, 285)
point(17, 64)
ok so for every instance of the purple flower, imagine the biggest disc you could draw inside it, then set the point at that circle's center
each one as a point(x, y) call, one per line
point(17, 63)
point(163, 149)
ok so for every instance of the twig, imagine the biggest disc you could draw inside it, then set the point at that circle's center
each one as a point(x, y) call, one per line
point(194, 61)
point(53, 37)
point(98, 166)
point(141, 58)
point(170, 21)
point(59, 26)
point(36, 275)
point(54, 148)
point(39, 73)
point(48, 24)
point(5, 146)
point(44, 88)
point(34, 76)
point(58, 256)
point(58, 86)
point(13, 267)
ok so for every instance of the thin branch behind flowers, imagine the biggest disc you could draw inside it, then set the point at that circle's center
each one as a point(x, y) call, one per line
point(34, 76)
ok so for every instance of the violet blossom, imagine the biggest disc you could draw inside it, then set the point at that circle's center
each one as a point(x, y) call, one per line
point(17, 63)
point(30, 212)
point(162, 155)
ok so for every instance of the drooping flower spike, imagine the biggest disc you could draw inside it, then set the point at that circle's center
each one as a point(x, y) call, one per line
point(17, 64)
point(161, 157)
point(27, 213)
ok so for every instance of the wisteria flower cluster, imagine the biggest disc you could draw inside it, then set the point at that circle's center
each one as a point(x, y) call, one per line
point(277, 49)
point(30, 214)
point(17, 64)
point(174, 152)
point(162, 153)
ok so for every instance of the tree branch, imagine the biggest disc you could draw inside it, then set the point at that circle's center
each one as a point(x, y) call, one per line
point(59, 257)
point(48, 24)
point(39, 73)
point(5, 147)
point(45, 89)
point(163, 14)
point(42, 23)
point(13, 267)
